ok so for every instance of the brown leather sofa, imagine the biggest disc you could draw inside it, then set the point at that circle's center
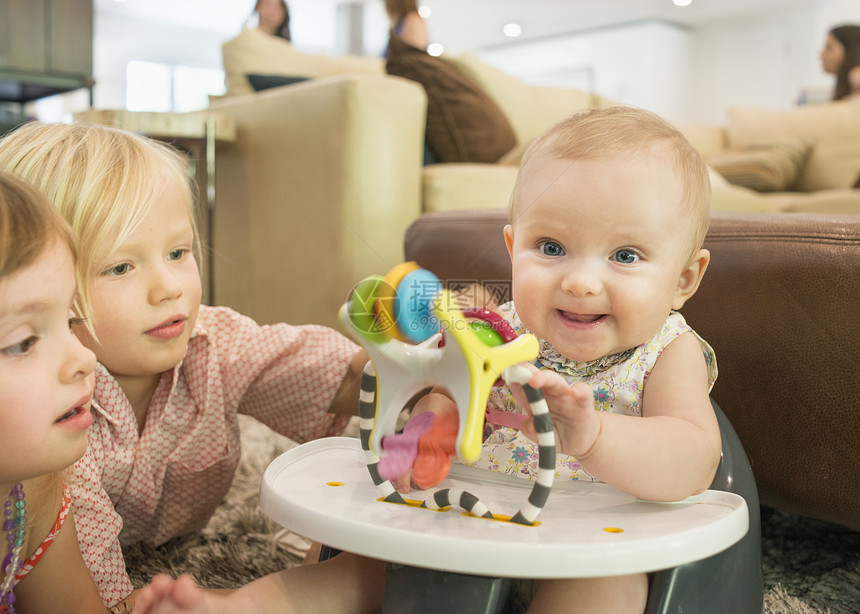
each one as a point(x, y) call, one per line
point(780, 304)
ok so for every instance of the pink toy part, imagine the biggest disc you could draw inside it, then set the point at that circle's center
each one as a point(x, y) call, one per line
point(435, 450)
point(402, 448)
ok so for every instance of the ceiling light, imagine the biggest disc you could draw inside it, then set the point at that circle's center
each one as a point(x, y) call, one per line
point(682, 2)
point(424, 11)
point(512, 30)
point(435, 49)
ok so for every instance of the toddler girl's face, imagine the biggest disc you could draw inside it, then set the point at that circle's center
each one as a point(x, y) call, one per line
point(46, 375)
point(599, 249)
point(146, 294)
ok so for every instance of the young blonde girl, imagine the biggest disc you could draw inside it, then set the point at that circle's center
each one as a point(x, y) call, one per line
point(607, 220)
point(46, 383)
point(173, 374)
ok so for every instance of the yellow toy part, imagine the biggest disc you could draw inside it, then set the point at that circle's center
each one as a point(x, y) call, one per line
point(484, 365)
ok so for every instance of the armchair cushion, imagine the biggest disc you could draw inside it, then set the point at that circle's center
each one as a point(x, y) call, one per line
point(463, 123)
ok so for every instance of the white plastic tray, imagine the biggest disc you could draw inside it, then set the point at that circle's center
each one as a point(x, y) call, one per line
point(323, 491)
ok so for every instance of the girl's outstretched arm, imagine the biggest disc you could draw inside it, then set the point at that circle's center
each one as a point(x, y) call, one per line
point(345, 400)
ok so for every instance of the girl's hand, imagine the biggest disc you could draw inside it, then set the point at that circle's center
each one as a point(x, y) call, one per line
point(576, 424)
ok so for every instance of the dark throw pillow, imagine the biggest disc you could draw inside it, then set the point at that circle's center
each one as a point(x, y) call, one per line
point(264, 82)
point(463, 123)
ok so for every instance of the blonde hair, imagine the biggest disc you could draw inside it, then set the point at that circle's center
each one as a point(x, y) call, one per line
point(620, 130)
point(102, 180)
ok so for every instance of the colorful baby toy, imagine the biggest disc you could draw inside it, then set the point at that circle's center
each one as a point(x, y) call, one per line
point(417, 337)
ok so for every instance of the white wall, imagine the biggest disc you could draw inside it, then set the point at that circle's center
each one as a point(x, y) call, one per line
point(764, 62)
point(645, 64)
point(118, 41)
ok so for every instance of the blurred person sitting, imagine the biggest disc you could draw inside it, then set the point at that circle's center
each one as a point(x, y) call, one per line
point(841, 57)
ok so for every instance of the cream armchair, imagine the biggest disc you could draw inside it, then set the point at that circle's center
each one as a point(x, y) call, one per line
point(315, 193)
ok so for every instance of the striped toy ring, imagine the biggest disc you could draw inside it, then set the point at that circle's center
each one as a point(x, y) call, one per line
point(538, 495)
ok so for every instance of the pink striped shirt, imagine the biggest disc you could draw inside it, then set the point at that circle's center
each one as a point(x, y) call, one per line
point(167, 480)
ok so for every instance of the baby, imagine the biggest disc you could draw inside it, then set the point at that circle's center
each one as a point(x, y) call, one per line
point(607, 221)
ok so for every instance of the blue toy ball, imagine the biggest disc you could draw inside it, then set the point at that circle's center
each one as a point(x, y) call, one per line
point(414, 312)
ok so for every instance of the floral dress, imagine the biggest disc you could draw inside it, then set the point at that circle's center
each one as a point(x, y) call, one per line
point(618, 382)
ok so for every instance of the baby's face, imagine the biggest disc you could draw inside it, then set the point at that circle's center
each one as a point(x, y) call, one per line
point(600, 250)
point(145, 295)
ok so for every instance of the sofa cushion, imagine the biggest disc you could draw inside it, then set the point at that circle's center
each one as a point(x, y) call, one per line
point(727, 196)
point(454, 187)
point(834, 127)
point(463, 123)
point(765, 166)
point(530, 109)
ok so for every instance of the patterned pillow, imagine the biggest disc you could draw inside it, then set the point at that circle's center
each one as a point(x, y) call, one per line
point(463, 123)
point(764, 166)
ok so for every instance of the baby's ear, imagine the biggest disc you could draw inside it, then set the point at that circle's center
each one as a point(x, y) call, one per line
point(509, 239)
point(691, 277)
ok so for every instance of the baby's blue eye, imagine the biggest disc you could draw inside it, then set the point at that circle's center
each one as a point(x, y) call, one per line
point(176, 254)
point(625, 256)
point(551, 248)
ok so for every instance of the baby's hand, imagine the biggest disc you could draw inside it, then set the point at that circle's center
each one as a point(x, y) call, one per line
point(572, 409)
point(165, 595)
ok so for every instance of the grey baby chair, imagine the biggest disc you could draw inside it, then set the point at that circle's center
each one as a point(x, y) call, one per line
point(730, 581)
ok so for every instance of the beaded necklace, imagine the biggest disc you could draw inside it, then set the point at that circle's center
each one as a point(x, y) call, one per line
point(15, 525)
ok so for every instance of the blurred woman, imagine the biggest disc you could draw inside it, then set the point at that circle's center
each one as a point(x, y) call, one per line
point(841, 57)
point(407, 23)
point(274, 17)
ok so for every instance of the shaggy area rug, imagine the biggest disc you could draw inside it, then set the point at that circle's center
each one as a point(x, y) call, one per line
point(810, 567)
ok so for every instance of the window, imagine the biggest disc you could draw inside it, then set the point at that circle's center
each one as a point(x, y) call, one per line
point(151, 86)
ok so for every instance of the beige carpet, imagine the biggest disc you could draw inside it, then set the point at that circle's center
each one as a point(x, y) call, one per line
point(810, 567)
